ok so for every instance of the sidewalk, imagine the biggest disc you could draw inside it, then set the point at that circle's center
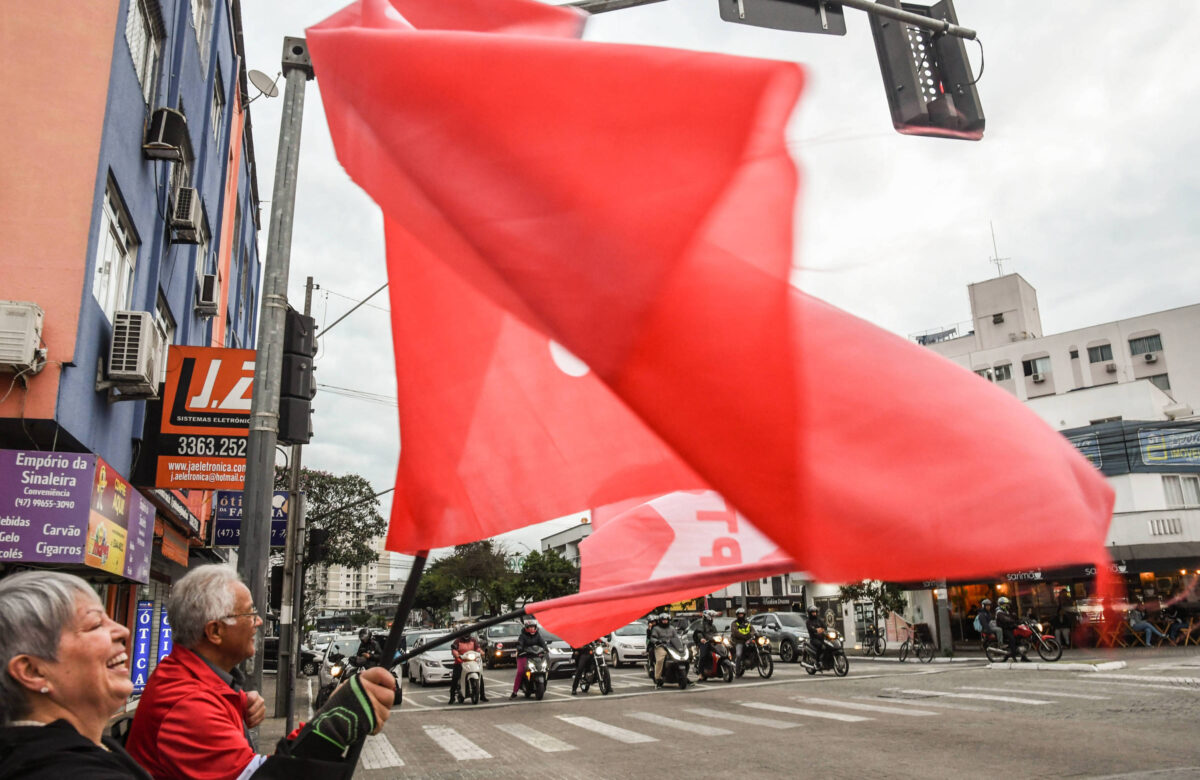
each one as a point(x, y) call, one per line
point(274, 726)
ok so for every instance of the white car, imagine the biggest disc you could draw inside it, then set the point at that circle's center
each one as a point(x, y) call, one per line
point(431, 666)
point(343, 646)
point(627, 645)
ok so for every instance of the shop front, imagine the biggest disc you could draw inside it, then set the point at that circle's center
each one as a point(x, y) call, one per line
point(1041, 594)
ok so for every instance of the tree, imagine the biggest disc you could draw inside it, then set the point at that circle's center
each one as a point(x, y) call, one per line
point(481, 569)
point(546, 575)
point(345, 505)
point(436, 592)
point(885, 597)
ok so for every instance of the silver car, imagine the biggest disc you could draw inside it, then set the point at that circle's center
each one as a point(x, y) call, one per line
point(627, 645)
point(786, 630)
point(344, 646)
point(431, 666)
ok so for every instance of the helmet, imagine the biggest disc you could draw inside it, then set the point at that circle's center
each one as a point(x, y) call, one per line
point(985, 603)
point(709, 614)
point(530, 623)
point(813, 611)
point(663, 617)
point(363, 634)
point(1002, 602)
point(740, 611)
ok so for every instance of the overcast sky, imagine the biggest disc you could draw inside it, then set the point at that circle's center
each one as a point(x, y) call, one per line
point(1088, 172)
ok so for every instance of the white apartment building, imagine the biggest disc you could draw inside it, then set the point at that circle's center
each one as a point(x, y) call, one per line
point(342, 590)
point(1124, 392)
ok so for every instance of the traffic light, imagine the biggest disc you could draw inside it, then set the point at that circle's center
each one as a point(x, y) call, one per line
point(809, 16)
point(297, 384)
point(930, 88)
point(318, 545)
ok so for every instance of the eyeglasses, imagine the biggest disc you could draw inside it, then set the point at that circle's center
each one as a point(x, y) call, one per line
point(252, 614)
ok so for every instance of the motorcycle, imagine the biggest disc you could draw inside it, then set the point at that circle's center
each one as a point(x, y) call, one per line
point(833, 658)
point(675, 665)
point(537, 672)
point(340, 670)
point(1030, 636)
point(718, 662)
point(757, 655)
point(597, 671)
point(470, 681)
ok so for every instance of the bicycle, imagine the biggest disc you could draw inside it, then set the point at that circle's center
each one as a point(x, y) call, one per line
point(917, 642)
point(873, 642)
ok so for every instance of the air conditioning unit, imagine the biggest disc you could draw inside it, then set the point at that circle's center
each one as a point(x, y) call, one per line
point(1150, 357)
point(166, 136)
point(206, 295)
point(997, 318)
point(1038, 378)
point(135, 352)
point(1110, 368)
point(20, 335)
point(185, 216)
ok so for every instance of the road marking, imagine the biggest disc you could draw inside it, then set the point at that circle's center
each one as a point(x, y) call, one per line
point(765, 722)
point(1036, 692)
point(378, 753)
point(606, 730)
point(543, 742)
point(850, 705)
point(1139, 686)
point(456, 744)
point(758, 705)
point(1191, 681)
point(944, 705)
point(979, 696)
point(698, 729)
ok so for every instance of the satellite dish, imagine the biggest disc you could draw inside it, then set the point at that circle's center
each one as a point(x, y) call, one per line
point(263, 83)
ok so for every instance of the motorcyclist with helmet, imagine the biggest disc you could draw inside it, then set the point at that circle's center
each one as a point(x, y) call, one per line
point(816, 634)
point(662, 633)
point(740, 631)
point(584, 658)
point(530, 637)
point(1007, 621)
point(987, 618)
point(703, 635)
point(463, 644)
point(369, 652)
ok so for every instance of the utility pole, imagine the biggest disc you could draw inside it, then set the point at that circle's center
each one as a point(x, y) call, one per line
point(255, 548)
point(291, 621)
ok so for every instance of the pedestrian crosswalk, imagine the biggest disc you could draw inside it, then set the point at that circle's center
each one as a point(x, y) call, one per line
point(507, 731)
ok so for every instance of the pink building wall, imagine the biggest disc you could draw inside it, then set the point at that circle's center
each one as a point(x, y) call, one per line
point(57, 82)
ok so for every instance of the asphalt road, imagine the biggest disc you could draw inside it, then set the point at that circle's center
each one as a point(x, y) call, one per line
point(885, 720)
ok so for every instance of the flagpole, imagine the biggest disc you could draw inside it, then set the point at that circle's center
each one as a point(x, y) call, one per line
point(441, 640)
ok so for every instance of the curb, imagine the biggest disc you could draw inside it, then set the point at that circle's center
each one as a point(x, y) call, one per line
point(1103, 666)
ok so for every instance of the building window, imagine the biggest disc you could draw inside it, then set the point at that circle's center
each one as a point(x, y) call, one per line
point(145, 43)
point(1100, 354)
point(202, 249)
point(165, 323)
point(202, 17)
point(986, 373)
point(1145, 344)
point(1161, 382)
point(1036, 366)
point(1003, 372)
point(116, 255)
point(1074, 354)
point(218, 106)
point(1182, 491)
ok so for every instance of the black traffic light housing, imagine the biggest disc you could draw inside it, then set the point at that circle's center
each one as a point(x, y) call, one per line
point(318, 545)
point(808, 16)
point(297, 383)
point(927, 77)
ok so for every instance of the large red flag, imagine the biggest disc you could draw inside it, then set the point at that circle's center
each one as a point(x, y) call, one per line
point(635, 205)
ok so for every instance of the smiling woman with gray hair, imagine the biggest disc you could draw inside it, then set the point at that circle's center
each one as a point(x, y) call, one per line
point(65, 674)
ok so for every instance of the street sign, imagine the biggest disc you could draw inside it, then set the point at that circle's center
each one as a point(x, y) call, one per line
point(808, 16)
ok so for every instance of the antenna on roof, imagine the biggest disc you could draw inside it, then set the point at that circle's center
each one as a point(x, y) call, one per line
point(996, 258)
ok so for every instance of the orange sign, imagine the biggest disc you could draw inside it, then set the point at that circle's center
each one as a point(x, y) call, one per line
point(205, 418)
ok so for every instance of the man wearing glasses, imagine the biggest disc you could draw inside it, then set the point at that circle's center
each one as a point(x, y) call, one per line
point(193, 719)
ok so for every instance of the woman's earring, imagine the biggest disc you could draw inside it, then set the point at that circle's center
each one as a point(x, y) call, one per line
point(45, 689)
